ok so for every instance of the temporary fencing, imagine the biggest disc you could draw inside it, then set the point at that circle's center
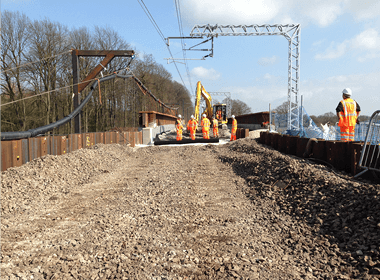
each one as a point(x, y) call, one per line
point(309, 129)
point(369, 158)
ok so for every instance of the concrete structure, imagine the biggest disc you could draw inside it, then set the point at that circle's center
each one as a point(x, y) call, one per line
point(149, 133)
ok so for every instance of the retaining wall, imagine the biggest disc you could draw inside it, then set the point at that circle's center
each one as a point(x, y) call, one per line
point(18, 152)
point(343, 156)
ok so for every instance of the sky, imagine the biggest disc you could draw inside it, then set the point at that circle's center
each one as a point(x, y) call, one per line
point(340, 45)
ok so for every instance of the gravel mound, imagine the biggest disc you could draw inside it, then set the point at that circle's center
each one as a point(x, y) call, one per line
point(234, 211)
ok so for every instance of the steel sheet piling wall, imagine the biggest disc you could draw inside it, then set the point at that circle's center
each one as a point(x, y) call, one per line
point(17, 152)
point(343, 156)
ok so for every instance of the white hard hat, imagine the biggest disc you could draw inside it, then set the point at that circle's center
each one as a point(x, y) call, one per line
point(192, 116)
point(233, 116)
point(347, 91)
point(179, 116)
point(204, 115)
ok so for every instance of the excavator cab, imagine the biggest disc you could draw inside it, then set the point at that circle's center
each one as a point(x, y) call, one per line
point(220, 113)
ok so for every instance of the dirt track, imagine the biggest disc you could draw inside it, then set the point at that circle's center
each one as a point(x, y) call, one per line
point(238, 210)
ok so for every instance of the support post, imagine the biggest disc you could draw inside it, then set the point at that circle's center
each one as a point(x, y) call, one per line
point(78, 88)
point(270, 119)
point(75, 62)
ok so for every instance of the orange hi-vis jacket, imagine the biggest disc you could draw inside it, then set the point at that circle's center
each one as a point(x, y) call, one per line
point(348, 116)
point(215, 123)
point(215, 127)
point(179, 128)
point(192, 125)
point(233, 130)
point(205, 128)
point(205, 123)
point(234, 125)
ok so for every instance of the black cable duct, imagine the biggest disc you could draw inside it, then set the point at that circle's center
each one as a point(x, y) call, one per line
point(43, 129)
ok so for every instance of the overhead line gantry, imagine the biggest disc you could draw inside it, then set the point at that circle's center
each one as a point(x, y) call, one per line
point(292, 32)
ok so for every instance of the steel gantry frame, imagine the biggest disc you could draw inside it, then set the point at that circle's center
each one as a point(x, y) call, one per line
point(292, 32)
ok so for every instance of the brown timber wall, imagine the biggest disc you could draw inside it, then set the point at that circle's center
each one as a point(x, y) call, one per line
point(18, 152)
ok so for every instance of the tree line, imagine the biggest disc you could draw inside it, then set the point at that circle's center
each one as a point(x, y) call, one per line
point(36, 77)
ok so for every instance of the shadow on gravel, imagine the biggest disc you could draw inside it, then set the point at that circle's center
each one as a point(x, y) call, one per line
point(344, 215)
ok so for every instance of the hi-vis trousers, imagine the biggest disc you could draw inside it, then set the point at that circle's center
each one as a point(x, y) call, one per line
point(347, 133)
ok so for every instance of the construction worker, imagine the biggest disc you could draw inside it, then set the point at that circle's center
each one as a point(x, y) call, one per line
point(205, 123)
point(179, 128)
point(215, 127)
point(234, 128)
point(219, 115)
point(192, 127)
point(348, 111)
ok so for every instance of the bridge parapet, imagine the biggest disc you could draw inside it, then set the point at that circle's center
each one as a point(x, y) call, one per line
point(154, 119)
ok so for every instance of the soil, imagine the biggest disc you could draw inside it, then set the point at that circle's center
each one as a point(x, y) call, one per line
point(234, 211)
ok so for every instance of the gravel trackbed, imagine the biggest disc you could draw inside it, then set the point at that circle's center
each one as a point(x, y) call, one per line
point(234, 211)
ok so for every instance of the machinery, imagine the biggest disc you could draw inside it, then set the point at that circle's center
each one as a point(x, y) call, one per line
point(219, 111)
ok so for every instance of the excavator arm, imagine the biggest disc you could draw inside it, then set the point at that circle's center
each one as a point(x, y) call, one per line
point(202, 92)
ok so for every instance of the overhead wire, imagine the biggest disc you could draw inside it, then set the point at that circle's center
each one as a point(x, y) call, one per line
point(146, 10)
point(149, 15)
point(53, 90)
point(179, 18)
point(29, 63)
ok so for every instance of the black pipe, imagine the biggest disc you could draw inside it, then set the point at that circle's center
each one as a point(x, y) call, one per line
point(43, 129)
point(186, 141)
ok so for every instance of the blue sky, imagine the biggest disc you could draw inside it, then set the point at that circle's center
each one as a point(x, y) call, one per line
point(340, 44)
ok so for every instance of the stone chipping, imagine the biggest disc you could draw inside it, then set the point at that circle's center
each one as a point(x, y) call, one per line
point(234, 211)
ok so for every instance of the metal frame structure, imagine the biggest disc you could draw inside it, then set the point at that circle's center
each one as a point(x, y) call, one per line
point(370, 154)
point(79, 86)
point(292, 32)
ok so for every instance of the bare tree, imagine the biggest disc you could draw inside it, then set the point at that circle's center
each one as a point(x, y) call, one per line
point(238, 107)
point(48, 40)
point(15, 39)
point(283, 108)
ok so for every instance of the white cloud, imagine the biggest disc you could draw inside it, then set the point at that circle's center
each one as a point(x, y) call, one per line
point(368, 39)
point(335, 50)
point(266, 61)
point(203, 73)
point(363, 10)
point(323, 95)
point(320, 12)
point(339, 79)
point(319, 96)
point(267, 76)
point(230, 11)
point(368, 42)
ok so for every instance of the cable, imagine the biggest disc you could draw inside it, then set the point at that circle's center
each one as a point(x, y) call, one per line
point(179, 18)
point(49, 91)
point(34, 61)
point(149, 15)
